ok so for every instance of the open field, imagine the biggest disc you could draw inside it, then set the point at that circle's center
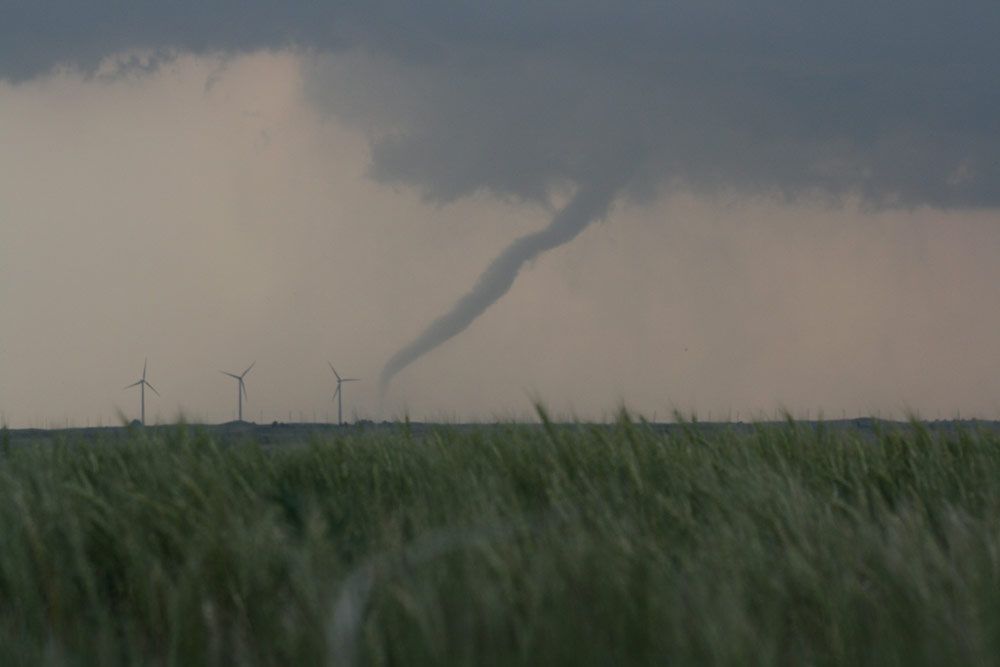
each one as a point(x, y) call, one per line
point(844, 543)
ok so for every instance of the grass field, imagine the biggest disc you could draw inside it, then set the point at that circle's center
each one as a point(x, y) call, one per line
point(507, 544)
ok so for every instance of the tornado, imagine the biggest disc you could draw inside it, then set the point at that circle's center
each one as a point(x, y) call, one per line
point(590, 203)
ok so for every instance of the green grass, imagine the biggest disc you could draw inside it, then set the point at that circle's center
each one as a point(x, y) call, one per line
point(570, 545)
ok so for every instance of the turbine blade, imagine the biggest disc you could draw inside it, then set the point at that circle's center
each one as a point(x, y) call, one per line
point(243, 386)
point(144, 362)
point(134, 384)
point(231, 375)
point(153, 388)
point(334, 371)
point(351, 380)
point(248, 369)
point(336, 392)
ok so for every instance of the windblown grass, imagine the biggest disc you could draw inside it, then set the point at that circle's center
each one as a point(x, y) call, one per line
point(505, 545)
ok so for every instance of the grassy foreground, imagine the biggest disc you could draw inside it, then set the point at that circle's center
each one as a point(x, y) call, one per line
point(569, 545)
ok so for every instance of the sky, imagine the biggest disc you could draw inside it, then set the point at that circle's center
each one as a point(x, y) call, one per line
point(720, 207)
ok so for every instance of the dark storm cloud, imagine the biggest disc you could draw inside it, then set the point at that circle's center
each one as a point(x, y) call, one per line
point(895, 102)
point(898, 112)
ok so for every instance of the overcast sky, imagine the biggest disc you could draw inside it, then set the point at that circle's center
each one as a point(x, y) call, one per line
point(763, 204)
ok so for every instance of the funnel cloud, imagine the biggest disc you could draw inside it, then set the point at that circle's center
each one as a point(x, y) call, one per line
point(590, 203)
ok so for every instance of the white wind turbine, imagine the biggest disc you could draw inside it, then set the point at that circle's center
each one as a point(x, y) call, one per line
point(241, 389)
point(339, 395)
point(142, 384)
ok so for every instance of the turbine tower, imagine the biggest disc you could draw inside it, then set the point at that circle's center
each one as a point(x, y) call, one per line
point(142, 384)
point(339, 395)
point(241, 388)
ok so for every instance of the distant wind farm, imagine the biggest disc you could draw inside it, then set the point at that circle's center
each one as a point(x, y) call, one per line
point(242, 397)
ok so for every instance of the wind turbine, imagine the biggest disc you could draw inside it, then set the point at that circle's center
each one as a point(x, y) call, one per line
point(241, 388)
point(142, 384)
point(339, 395)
